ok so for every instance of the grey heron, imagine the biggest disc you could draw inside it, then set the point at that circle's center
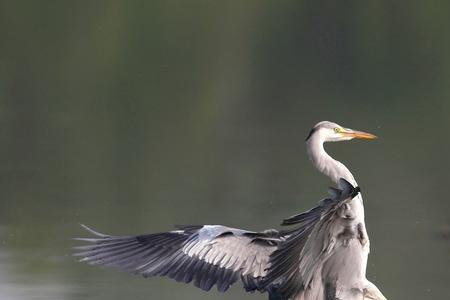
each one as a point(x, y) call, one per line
point(324, 257)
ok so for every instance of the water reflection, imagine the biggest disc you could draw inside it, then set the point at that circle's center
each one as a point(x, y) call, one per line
point(31, 274)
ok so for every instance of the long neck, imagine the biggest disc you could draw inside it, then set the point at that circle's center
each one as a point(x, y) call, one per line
point(325, 163)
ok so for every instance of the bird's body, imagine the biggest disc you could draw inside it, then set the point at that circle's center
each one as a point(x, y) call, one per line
point(353, 251)
point(323, 258)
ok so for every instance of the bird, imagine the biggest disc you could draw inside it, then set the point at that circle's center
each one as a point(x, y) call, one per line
point(321, 256)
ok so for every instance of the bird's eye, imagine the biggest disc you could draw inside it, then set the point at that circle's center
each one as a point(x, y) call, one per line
point(337, 129)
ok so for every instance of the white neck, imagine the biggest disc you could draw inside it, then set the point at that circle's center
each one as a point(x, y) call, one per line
point(325, 163)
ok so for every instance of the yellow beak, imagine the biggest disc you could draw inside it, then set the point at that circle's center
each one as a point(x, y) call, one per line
point(359, 134)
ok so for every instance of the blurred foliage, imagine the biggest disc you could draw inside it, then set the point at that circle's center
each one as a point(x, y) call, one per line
point(131, 116)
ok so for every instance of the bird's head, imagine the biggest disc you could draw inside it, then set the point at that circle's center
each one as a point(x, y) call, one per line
point(328, 131)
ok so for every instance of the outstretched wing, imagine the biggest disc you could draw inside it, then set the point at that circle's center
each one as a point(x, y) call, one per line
point(297, 259)
point(205, 255)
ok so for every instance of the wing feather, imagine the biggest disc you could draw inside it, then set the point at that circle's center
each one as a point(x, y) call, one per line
point(281, 263)
point(205, 255)
point(293, 264)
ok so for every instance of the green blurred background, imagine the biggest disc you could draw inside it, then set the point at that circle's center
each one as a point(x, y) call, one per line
point(131, 116)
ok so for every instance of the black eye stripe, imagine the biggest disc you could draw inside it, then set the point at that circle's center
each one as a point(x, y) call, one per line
point(311, 133)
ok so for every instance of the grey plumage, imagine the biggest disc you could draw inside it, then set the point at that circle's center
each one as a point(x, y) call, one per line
point(209, 255)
